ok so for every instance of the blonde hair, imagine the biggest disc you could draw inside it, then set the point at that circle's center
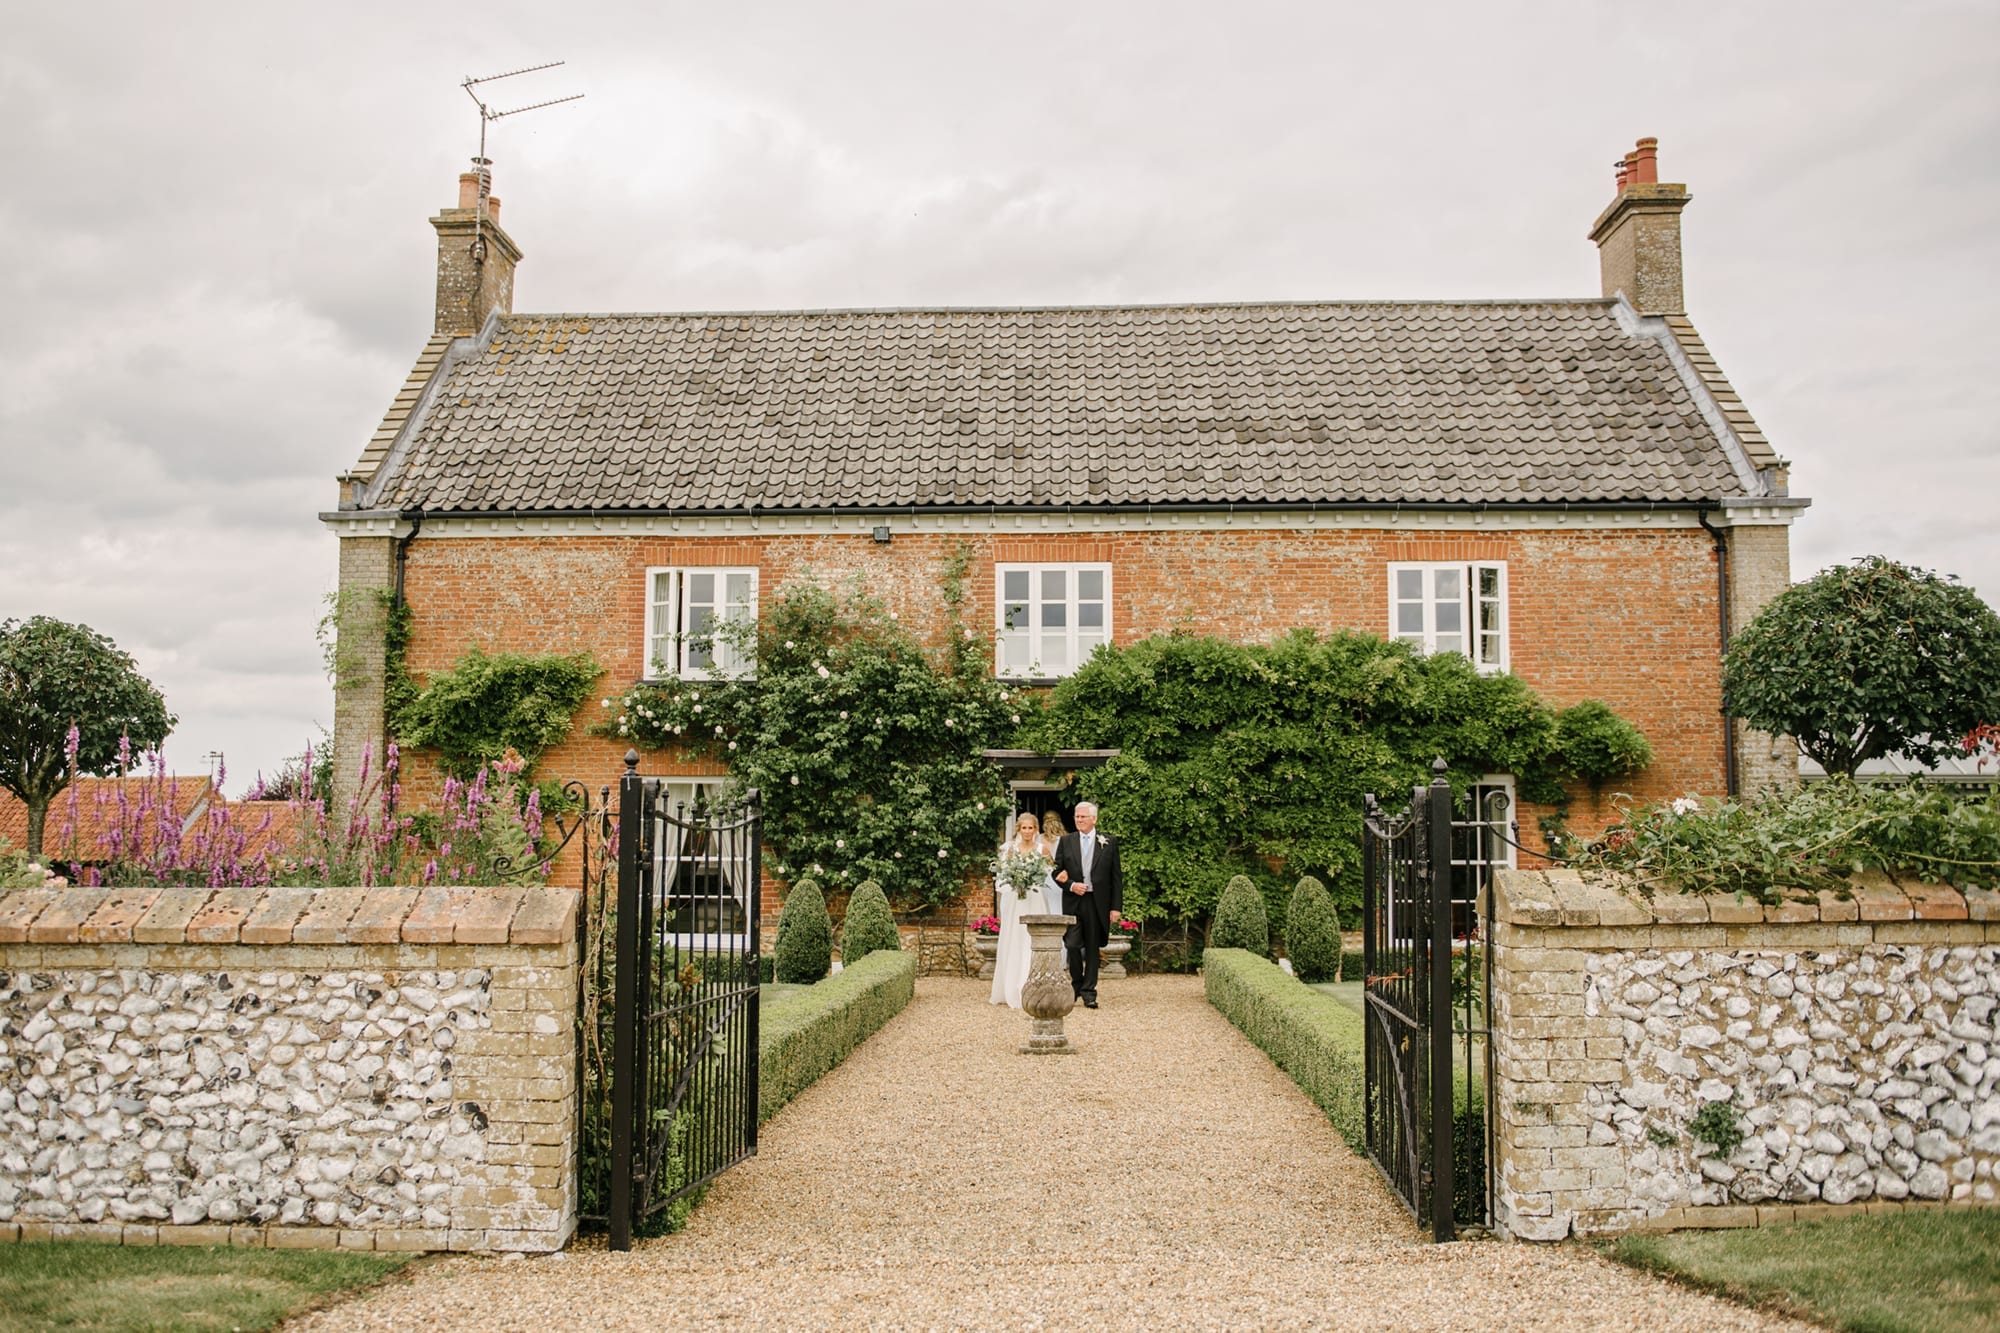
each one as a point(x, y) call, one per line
point(1052, 825)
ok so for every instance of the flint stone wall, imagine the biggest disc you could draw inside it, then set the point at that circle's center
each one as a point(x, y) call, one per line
point(1854, 1039)
point(380, 1069)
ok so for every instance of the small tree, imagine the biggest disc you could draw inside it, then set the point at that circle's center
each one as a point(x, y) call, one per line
point(1597, 745)
point(1240, 919)
point(870, 927)
point(54, 676)
point(1868, 659)
point(1312, 933)
point(805, 936)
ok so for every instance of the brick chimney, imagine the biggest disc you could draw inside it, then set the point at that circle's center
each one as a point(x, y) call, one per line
point(1639, 236)
point(475, 258)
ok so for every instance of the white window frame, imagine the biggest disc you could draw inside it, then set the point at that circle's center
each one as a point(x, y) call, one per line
point(675, 609)
point(1482, 655)
point(1034, 668)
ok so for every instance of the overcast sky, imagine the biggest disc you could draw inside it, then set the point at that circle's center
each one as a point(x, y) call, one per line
point(217, 269)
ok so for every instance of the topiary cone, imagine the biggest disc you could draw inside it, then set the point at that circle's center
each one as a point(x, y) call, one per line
point(1312, 933)
point(805, 936)
point(870, 926)
point(1240, 919)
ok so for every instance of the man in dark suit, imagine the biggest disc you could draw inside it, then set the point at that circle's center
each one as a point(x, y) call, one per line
point(1093, 892)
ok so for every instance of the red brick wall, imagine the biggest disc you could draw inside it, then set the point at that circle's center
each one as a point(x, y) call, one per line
point(1627, 616)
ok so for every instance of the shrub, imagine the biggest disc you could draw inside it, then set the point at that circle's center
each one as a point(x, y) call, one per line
point(869, 926)
point(1240, 919)
point(1312, 933)
point(1307, 1033)
point(803, 1035)
point(805, 936)
point(485, 706)
point(1597, 745)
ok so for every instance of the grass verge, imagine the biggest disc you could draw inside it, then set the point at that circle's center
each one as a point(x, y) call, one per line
point(807, 1031)
point(112, 1288)
point(1310, 1035)
point(1917, 1271)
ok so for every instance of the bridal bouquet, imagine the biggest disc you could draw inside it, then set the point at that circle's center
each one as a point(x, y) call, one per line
point(1020, 871)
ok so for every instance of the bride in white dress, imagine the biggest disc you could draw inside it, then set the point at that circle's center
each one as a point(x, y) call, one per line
point(1018, 899)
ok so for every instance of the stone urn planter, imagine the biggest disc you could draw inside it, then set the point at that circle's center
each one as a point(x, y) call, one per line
point(988, 947)
point(1111, 959)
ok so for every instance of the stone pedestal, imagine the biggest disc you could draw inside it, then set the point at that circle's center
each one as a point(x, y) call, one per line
point(1047, 996)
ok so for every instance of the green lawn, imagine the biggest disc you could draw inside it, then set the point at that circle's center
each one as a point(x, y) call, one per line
point(76, 1284)
point(1907, 1272)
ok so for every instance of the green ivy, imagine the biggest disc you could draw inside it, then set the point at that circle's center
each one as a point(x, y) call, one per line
point(1253, 759)
point(1597, 745)
point(486, 705)
point(864, 743)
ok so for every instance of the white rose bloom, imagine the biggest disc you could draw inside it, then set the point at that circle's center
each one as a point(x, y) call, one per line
point(823, 672)
point(839, 844)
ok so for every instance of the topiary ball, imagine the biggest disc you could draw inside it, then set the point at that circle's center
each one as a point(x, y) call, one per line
point(1312, 933)
point(805, 936)
point(1240, 919)
point(869, 928)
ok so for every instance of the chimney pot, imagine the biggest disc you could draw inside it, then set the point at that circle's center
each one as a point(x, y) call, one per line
point(468, 189)
point(1646, 157)
point(493, 209)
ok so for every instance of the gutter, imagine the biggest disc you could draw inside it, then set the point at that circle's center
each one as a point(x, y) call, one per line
point(415, 518)
point(1722, 635)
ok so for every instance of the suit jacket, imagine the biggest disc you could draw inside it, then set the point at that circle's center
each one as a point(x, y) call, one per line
point(1092, 910)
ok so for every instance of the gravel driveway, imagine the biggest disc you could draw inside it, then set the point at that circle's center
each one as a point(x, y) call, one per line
point(939, 1180)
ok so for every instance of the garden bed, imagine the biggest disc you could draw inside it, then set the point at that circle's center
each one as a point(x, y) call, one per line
point(809, 1030)
point(1310, 1035)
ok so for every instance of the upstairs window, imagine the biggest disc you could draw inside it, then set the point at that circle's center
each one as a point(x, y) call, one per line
point(1451, 607)
point(1050, 617)
point(685, 611)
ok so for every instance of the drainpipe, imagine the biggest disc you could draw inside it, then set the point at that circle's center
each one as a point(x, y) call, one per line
point(416, 518)
point(1722, 636)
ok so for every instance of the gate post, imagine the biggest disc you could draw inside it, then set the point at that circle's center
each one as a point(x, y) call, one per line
point(625, 999)
point(1437, 812)
point(754, 801)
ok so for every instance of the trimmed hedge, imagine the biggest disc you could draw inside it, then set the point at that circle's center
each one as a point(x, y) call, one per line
point(1311, 1036)
point(807, 1033)
point(869, 926)
point(1241, 921)
point(804, 951)
point(1312, 933)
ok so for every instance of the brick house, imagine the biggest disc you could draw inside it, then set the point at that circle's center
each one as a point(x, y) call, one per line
point(1566, 489)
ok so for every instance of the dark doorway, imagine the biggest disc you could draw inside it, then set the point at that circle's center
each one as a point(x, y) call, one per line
point(1038, 801)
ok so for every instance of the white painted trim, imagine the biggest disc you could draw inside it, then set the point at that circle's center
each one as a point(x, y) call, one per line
point(1736, 513)
point(680, 669)
point(1072, 600)
point(1469, 601)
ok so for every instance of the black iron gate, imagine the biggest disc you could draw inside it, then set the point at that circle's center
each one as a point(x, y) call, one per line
point(1426, 996)
point(683, 1009)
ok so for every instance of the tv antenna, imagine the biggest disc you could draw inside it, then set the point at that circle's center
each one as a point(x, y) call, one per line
point(482, 166)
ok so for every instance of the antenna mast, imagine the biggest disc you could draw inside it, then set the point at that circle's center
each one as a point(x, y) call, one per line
point(482, 167)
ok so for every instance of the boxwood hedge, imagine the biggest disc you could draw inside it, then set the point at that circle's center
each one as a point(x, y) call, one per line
point(806, 1033)
point(1307, 1033)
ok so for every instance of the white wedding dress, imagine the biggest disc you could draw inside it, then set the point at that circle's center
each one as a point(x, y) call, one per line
point(1015, 952)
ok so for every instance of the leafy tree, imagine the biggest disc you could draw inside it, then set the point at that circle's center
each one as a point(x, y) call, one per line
point(1868, 659)
point(1312, 933)
point(864, 743)
point(55, 675)
point(1253, 759)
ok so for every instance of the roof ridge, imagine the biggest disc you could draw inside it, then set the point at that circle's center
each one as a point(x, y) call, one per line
point(1054, 309)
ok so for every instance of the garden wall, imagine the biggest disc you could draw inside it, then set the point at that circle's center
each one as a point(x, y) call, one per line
point(1851, 1042)
point(386, 1068)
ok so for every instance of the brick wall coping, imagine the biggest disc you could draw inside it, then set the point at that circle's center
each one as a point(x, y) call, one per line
point(1555, 898)
point(460, 914)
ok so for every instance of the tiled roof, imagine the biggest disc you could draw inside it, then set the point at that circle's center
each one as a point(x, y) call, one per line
point(99, 811)
point(1549, 401)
